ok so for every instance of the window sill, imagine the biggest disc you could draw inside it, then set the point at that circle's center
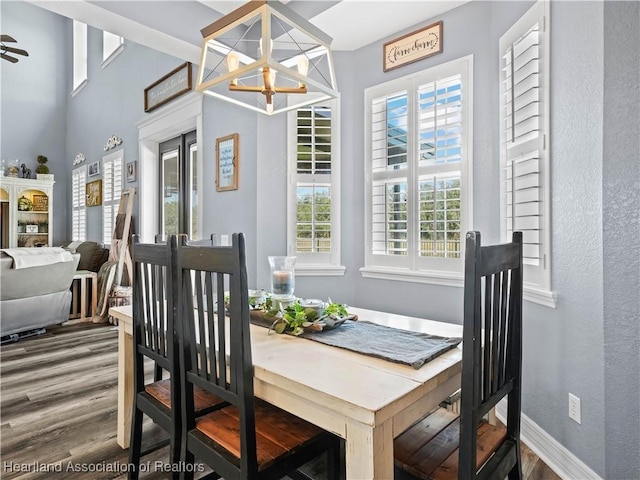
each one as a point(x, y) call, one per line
point(78, 88)
point(546, 298)
point(531, 293)
point(449, 279)
point(112, 56)
point(319, 270)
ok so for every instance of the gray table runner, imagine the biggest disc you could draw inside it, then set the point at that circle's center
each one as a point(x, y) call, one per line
point(393, 344)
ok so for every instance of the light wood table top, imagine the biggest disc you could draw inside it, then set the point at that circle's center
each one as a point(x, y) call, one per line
point(365, 400)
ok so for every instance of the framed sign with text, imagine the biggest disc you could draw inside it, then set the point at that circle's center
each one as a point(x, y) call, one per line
point(172, 85)
point(412, 47)
point(227, 163)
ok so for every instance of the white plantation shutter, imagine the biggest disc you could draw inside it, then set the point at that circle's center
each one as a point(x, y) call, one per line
point(78, 203)
point(523, 141)
point(419, 179)
point(111, 192)
point(313, 193)
point(389, 191)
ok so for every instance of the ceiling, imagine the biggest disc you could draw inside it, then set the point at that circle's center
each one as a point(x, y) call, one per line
point(174, 26)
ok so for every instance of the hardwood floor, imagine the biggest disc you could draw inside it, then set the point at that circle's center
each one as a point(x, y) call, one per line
point(58, 400)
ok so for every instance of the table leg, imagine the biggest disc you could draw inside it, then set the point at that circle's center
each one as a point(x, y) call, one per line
point(125, 386)
point(369, 451)
point(83, 298)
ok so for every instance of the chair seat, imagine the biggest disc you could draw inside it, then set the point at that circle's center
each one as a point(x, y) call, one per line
point(278, 433)
point(202, 399)
point(429, 449)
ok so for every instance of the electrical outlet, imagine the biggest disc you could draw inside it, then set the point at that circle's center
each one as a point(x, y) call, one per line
point(574, 408)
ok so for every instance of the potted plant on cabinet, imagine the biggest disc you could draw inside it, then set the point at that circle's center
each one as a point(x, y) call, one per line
point(42, 170)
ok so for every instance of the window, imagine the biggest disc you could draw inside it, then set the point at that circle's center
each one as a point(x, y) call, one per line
point(79, 55)
point(111, 192)
point(419, 174)
point(524, 147)
point(78, 200)
point(314, 189)
point(112, 45)
point(179, 206)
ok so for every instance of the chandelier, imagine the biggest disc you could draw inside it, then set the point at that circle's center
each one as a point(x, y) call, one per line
point(265, 57)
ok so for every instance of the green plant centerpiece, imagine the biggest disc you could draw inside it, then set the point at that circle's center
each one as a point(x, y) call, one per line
point(42, 167)
point(295, 319)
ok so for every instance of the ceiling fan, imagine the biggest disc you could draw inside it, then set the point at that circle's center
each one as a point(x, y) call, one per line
point(4, 50)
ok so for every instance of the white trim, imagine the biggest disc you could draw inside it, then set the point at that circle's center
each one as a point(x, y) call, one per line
point(540, 296)
point(448, 279)
point(133, 31)
point(181, 115)
point(79, 87)
point(320, 270)
point(564, 463)
point(112, 56)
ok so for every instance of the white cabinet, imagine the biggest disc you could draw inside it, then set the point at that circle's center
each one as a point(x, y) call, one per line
point(26, 212)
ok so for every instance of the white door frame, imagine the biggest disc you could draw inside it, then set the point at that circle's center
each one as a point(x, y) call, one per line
point(180, 116)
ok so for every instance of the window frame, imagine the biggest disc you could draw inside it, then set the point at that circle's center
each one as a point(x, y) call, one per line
point(79, 204)
point(314, 264)
point(413, 267)
point(112, 189)
point(537, 278)
point(79, 75)
point(109, 55)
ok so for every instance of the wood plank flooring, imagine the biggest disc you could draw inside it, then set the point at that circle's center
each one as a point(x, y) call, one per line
point(58, 400)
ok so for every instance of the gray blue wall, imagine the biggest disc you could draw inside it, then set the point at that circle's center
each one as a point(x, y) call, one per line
point(34, 94)
point(589, 345)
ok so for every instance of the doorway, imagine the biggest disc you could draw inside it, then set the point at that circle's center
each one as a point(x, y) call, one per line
point(179, 206)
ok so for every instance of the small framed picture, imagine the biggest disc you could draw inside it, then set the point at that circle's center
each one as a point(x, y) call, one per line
point(227, 163)
point(40, 203)
point(132, 170)
point(32, 229)
point(93, 169)
point(94, 193)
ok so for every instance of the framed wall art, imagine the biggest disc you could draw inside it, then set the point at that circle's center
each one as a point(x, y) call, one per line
point(93, 169)
point(172, 85)
point(227, 163)
point(412, 47)
point(94, 193)
point(40, 203)
point(132, 171)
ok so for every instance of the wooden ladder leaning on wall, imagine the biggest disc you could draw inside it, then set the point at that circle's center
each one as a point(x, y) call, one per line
point(119, 254)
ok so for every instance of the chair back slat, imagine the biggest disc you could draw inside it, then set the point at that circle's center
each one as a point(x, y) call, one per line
point(492, 339)
point(154, 302)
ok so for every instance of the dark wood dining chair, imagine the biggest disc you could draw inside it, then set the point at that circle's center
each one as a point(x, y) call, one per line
point(250, 438)
point(155, 301)
point(445, 446)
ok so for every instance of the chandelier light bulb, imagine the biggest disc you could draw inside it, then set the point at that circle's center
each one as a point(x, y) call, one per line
point(303, 65)
point(233, 62)
point(262, 46)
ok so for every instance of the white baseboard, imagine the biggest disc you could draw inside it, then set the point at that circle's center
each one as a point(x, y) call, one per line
point(564, 463)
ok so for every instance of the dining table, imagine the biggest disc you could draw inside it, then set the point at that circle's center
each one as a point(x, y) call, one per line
point(367, 401)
